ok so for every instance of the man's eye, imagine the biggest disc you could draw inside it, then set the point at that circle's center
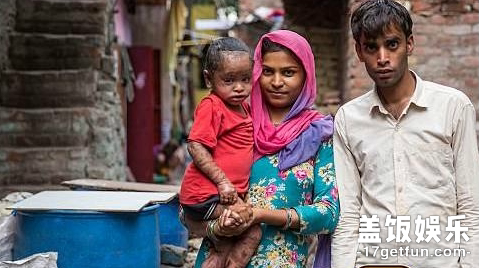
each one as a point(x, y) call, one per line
point(393, 44)
point(370, 48)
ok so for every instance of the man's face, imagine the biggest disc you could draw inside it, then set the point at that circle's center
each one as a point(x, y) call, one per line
point(385, 56)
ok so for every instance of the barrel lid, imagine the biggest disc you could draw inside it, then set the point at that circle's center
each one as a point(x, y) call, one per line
point(106, 201)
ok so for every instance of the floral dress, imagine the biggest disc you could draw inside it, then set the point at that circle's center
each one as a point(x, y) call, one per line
point(310, 189)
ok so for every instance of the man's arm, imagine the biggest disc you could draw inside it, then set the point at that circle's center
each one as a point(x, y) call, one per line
point(466, 164)
point(345, 238)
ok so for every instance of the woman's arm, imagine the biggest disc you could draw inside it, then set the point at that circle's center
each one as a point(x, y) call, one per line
point(278, 217)
point(323, 214)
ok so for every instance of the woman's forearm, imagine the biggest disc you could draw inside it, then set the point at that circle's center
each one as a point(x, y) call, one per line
point(278, 217)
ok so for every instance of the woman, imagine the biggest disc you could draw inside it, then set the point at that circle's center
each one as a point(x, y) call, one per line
point(292, 184)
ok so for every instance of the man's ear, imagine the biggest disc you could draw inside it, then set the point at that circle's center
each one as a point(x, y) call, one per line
point(208, 78)
point(357, 46)
point(410, 45)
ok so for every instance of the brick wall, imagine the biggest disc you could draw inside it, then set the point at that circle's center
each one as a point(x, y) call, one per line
point(60, 114)
point(446, 47)
point(327, 49)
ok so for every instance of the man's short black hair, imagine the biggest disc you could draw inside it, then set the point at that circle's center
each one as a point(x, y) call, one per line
point(373, 17)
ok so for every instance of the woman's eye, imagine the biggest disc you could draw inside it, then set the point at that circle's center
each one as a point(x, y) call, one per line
point(267, 72)
point(288, 72)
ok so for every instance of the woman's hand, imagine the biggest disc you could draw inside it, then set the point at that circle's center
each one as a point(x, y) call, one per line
point(244, 210)
point(226, 223)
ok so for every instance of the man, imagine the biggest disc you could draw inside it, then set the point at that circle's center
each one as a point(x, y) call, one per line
point(406, 158)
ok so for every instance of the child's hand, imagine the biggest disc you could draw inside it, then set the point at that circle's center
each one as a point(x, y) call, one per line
point(227, 192)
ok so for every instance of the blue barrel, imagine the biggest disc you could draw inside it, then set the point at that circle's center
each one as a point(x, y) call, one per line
point(172, 230)
point(91, 239)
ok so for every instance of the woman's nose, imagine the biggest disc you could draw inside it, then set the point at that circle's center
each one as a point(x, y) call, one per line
point(277, 81)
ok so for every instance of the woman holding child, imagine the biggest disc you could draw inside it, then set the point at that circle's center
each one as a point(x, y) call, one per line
point(292, 186)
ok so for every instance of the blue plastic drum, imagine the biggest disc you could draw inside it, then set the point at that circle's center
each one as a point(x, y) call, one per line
point(91, 239)
point(172, 230)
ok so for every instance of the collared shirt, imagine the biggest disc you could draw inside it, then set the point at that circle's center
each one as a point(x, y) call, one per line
point(423, 165)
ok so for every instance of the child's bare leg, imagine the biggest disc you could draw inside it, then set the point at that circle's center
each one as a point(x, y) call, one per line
point(218, 253)
point(220, 249)
point(244, 247)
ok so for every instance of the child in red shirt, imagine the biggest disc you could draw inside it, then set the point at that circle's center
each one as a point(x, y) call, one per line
point(221, 145)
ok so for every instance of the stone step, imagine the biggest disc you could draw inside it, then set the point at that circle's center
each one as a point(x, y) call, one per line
point(55, 52)
point(42, 165)
point(44, 127)
point(48, 89)
point(61, 17)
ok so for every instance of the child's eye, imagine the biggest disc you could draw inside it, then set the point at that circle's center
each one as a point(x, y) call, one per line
point(246, 79)
point(228, 81)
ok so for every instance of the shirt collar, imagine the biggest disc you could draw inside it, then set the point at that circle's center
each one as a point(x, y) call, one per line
point(417, 98)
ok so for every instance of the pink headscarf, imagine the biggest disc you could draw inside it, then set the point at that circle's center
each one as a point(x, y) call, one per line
point(298, 122)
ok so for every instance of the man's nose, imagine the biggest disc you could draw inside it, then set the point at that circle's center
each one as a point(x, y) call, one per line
point(383, 56)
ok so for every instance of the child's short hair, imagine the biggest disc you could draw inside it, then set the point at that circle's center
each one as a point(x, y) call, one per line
point(373, 17)
point(218, 46)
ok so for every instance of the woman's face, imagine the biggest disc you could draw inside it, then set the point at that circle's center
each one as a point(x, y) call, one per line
point(281, 80)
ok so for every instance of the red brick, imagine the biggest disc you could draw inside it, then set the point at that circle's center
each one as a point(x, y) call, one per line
point(438, 19)
point(472, 83)
point(418, 6)
point(447, 40)
point(470, 18)
point(469, 40)
point(421, 39)
point(471, 61)
point(475, 6)
point(454, 8)
point(427, 29)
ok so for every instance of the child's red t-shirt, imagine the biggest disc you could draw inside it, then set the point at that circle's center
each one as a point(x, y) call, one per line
point(229, 136)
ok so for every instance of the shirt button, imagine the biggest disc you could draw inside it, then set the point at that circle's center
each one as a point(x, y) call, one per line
point(400, 189)
point(396, 127)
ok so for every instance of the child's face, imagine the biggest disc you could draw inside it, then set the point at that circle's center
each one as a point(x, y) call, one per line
point(232, 80)
point(281, 80)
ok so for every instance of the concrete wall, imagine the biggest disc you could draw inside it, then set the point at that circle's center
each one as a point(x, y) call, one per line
point(60, 114)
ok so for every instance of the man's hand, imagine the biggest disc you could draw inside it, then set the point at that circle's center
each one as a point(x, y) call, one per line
point(227, 192)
